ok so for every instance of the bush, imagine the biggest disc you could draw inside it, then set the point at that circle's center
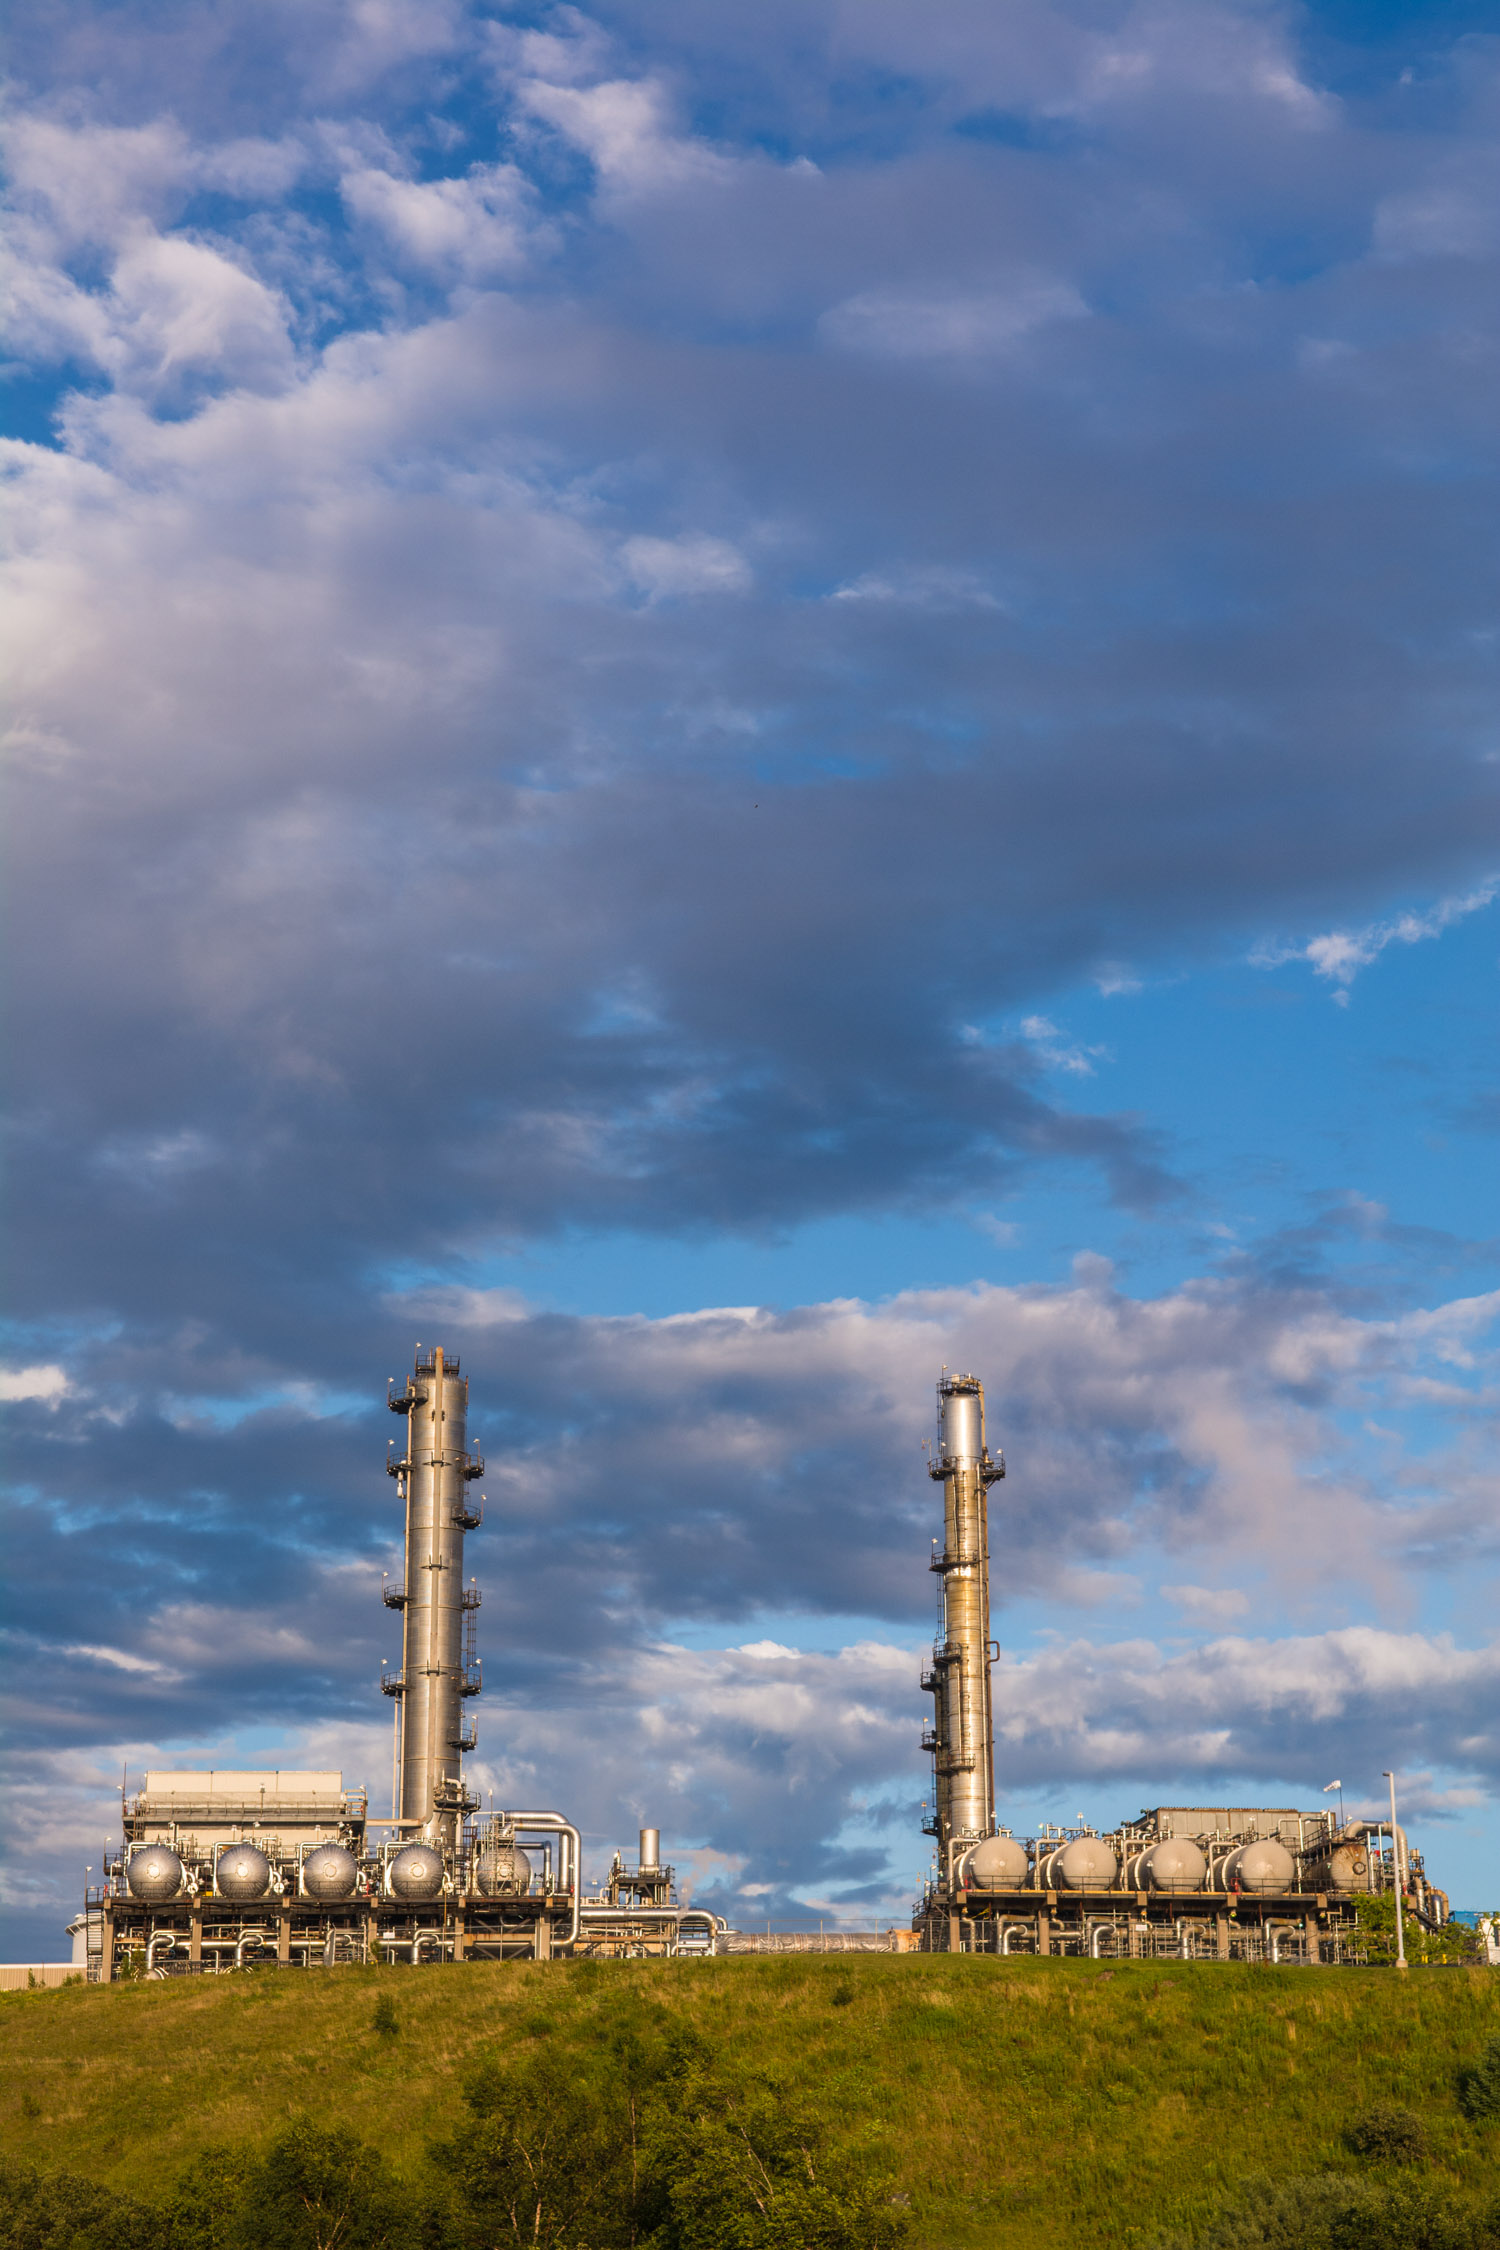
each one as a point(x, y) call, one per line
point(1481, 2085)
point(1331, 2211)
point(1388, 2134)
point(385, 2020)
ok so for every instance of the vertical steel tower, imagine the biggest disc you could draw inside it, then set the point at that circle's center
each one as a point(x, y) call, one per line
point(962, 1736)
point(439, 1666)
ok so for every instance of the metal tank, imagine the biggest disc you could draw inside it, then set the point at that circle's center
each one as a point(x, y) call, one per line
point(1347, 1868)
point(416, 1872)
point(243, 1873)
point(503, 1870)
point(329, 1873)
point(998, 1864)
point(437, 1670)
point(962, 1739)
point(1174, 1867)
point(154, 1875)
point(1085, 1864)
point(1263, 1869)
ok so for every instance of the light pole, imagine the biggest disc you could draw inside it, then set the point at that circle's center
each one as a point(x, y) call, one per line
point(1396, 1866)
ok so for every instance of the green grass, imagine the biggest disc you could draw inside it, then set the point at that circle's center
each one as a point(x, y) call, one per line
point(1012, 2100)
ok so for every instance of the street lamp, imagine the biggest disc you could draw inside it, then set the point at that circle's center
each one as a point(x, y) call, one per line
point(1396, 1865)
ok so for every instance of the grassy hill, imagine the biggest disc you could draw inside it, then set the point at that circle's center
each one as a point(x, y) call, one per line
point(1012, 2100)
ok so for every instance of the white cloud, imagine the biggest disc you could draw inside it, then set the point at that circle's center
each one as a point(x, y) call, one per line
point(1209, 1605)
point(956, 325)
point(933, 586)
point(623, 125)
point(1440, 220)
point(1057, 1051)
point(477, 227)
point(46, 1382)
point(1339, 955)
point(665, 569)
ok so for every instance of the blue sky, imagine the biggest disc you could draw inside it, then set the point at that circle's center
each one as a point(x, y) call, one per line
point(727, 706)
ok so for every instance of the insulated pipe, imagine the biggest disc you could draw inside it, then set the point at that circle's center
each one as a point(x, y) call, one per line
point(569, 1864)
point(256, 1938)
point(963, 1730)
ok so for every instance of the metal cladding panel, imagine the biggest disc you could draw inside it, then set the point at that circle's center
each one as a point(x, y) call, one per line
point(243, 1786)
point(1220, 1820)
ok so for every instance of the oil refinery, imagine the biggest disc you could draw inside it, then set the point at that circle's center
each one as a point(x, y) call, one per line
point(226, 1870)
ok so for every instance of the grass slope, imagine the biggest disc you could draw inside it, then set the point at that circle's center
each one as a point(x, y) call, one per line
point(1007, 2097)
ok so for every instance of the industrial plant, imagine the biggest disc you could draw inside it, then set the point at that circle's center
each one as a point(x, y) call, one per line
point(228, 1870)
point(1196, 1882)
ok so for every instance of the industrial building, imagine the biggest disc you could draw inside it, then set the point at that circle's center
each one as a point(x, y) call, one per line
point(226, 1870)
point(1195, 1882)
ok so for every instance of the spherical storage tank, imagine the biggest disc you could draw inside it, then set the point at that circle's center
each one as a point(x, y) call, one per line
point(1174, 1867)
point(154, 1875)
point(330, 1872)
point(416, 1872)
point(1087, 1864)
point(1262, 1870)
point(997, 1864)
point(243, 1873)
point(503, 1868)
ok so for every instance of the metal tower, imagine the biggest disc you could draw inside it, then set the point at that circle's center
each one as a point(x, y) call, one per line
point(439, 1667)
point(962, 1735)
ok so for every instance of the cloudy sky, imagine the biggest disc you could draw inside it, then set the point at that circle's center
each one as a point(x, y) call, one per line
point(722, 704)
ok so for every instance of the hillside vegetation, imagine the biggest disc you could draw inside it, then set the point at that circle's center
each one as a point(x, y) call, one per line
point(1056, 2102)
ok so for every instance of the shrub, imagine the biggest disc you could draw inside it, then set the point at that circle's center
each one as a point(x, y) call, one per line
point(385, 2020)
point(1331, 2211)
point(1388, 2134)
point(1481, 2085)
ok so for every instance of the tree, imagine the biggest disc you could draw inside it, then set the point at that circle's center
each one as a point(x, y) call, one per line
point(730, 2163)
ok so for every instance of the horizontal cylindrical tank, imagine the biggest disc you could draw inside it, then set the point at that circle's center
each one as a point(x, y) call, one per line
point(1087, 1864)
point(330, 1872)
point(1262, 1870)
point(650, 1849)
point(154, 1875)
point(996, 1864)
point(416, 1872)
point(1347, 1868)
point(503, 1868)
point(1175, 1867)
point(243, 1873)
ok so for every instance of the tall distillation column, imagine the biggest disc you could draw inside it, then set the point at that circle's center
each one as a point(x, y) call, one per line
point(438, 1667)
point(962, 1737)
